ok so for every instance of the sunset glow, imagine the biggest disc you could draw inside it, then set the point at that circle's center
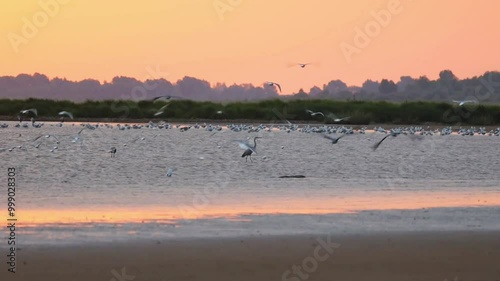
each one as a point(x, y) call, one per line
point(333, 205)
point(249, 41)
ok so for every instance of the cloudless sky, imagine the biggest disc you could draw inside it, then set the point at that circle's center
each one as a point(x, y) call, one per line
point(251, 41)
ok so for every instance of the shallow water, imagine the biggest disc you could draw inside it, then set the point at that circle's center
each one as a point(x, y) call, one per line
point(80, 184)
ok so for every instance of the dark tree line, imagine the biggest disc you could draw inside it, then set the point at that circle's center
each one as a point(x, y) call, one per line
point(484, 88)
point(273, 111)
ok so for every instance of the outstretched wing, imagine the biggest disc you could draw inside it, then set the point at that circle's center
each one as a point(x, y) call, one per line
point(165, 97)
point(334, 139)
point(332, 116)
point(37, 138)
point(33, 110)
point(245, 145)
point(378, 143)
point(45, 136)
point(69, 114)
point(328, 137)
point(242, 144)
point(279, 87)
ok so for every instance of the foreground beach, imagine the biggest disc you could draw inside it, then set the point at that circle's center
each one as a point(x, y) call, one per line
point(379, 256)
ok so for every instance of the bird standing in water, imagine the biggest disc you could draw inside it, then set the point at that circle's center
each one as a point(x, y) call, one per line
point(112, 151)
point(248, 148)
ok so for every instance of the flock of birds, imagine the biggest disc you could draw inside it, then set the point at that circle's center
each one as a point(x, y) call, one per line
point(414, 132)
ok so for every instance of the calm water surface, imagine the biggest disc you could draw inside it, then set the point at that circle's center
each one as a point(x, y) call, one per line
point(80, 187)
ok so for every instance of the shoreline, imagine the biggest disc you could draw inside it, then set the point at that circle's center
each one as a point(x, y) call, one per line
point(7, 118)
point(257, 237)
point(424, 220)
point(431, 126)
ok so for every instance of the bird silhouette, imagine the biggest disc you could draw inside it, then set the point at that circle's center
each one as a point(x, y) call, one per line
point(334, 140)
point(380, 142)
point(274, 84)
point(165, 97)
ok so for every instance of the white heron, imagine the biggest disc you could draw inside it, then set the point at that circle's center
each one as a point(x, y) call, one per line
point(63, 114)
point(341, 119)
point(27, 111)
point(460, 103)
point(312, 113)
point(336, 119)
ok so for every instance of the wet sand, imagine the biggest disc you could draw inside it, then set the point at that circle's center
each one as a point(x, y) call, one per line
point(383, 256)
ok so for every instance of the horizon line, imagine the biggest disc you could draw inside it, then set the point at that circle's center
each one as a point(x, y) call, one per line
point(106, 81)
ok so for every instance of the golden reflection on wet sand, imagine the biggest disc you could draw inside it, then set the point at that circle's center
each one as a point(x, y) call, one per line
point(231, 211)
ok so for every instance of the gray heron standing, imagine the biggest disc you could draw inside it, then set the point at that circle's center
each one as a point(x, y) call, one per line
point(248, 148)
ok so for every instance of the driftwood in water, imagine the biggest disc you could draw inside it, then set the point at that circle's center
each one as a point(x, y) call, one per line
point(293, 176)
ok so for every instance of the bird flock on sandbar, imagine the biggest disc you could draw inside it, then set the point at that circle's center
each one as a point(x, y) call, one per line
point(333, 134)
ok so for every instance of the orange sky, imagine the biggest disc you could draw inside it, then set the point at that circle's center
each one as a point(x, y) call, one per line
point(252, 41)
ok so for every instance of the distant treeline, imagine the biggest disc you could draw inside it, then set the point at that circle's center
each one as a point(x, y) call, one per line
point(277, 111)
point(484, 88)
